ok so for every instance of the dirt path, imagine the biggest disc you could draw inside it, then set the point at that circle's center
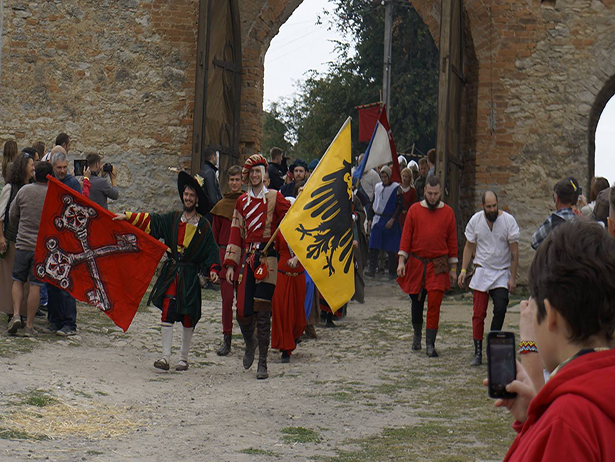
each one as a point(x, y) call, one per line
point(356, 393)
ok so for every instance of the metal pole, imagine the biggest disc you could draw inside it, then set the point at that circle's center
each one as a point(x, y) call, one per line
point(388, 39)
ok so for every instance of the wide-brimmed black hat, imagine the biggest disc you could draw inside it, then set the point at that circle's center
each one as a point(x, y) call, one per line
point(185, 179)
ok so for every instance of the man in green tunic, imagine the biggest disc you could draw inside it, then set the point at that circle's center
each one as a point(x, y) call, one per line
point(192, 248)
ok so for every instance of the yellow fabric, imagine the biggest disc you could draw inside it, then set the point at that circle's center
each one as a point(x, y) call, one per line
point(133, 219)
point(190, 232)
point(336, 288)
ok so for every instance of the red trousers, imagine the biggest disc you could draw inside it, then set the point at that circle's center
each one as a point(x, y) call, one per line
point(228, 293)
point(481, 300)
point(434, 301)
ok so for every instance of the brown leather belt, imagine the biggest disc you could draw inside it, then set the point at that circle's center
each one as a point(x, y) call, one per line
point(425, 262)
point(294, 275)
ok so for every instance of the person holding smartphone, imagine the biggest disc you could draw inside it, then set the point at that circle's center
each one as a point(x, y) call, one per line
point(572, 290)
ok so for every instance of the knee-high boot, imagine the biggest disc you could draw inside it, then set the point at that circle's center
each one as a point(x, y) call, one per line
point(477, 359)
point(247, 330)
point(263, 326)
point(373, 263)
point(416, 341)
point(430, 342)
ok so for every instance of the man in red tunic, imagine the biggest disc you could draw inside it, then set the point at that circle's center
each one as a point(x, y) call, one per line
point(427, 250)
point(257, 214)
point(222, 214)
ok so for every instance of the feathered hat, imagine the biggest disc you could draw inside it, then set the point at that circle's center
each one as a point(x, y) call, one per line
point(185, 179)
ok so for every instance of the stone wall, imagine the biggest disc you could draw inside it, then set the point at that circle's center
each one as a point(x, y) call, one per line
point(116, 75)
point(543, 73)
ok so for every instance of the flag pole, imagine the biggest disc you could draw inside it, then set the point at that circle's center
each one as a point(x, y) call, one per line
point(271, 240)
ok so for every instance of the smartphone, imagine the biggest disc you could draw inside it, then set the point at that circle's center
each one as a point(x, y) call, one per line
point(502, 368)
point(80, 166)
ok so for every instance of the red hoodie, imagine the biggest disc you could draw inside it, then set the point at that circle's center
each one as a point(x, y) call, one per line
point(573, 417)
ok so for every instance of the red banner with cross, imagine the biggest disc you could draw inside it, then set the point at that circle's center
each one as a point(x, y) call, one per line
point(107, 264)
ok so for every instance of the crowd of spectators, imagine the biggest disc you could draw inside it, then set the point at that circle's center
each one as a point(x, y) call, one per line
point(21, 201)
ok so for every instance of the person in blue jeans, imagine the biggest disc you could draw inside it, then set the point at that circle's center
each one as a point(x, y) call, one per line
point(61, 306)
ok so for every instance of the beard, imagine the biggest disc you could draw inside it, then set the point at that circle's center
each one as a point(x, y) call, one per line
point(492, 216)
point(433, 206)
point(189, 208)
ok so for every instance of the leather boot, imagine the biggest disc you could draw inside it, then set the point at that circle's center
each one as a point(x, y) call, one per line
point(247, 330)
point(225, 348)
point(330, 322)
point(430, 341)
point(263, 327)
point(416, 341)
point(477, 360)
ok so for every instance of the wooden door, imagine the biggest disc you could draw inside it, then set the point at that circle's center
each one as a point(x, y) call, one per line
point(218, 84)
point(450, 92)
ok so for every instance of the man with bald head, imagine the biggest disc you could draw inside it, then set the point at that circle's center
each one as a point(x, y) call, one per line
point(492, 236)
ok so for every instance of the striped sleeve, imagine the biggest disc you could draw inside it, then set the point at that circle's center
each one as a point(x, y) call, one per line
point(140, 220)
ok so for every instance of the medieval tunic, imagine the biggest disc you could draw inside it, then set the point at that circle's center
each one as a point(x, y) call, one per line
point(385, 207)
point(288, 315)
point(427, 234)
point(408, 198)
point(492, 267)
point(255, 219)
point(222, 214)
point(492, 258)
point(191, 248)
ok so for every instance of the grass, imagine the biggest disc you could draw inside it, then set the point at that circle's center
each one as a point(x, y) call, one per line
point(38, 398)
point(300, 435)
point(11, 434)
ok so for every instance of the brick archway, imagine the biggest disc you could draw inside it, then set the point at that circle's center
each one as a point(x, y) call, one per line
point(260, 22)
point(121, 81)
point(607, 92)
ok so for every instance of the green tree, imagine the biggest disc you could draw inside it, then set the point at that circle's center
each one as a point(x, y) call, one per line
point(274, 131)
point(323, 101)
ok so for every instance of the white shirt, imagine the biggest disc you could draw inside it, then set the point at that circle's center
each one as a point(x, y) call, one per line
point(382, 195)
point(368, 183)
point(492, 245)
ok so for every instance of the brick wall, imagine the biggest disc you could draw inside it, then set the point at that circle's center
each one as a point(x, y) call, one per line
point(543, 75)
point(119, 77)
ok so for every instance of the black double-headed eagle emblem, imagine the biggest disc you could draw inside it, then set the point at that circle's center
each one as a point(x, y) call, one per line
point(331, 207)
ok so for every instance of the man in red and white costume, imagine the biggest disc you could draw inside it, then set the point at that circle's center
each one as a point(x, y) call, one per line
point(427, 250)
point(257, 214)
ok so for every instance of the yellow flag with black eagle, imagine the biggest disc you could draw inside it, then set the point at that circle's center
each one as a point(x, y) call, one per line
point(318, 226)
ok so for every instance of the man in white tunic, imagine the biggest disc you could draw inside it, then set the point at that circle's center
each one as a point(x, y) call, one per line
point(492, 236)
